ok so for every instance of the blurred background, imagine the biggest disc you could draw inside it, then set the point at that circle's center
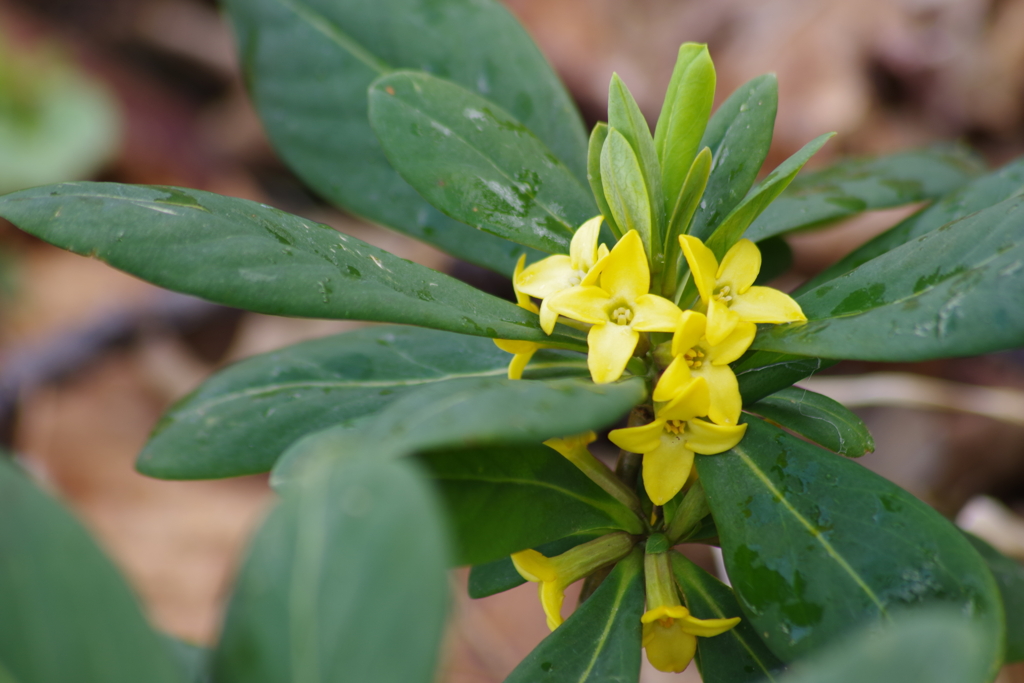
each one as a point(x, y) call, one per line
point(149, 91)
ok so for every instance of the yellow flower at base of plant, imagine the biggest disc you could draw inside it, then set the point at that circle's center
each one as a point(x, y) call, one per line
point(555, 273)
point(669, 443)
point(670, 635)
point(522, 351)
point(694, 356)
point(555, 574)
point(619, 308)
point(728, 290)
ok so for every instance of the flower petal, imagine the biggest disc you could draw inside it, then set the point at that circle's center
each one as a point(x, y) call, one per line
point(666, 468)
point(726, 403)
point(594, 274)
point(652, 313)
point(552, 594)
point(583, 247)
point(522, 298)
point(673, 381)
point(533, 566)
point(586, 304)
point(767, 305)
point(707, 628)
point(514, 345)
point(569, 445)
point(519, 363)
point(626, 273)
point(640, 439)
point(610, 348)
point(703, 265)
point(664, 612)
point(721, 322)
point(708, 439)
point(688, 332)
point(740, 266)
point(733, 346)
point(694, 400)
point(548, 318)
point(669, 649)
point(547, 276)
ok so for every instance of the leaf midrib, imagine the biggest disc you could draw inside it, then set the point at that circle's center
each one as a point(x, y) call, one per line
point(332, 32)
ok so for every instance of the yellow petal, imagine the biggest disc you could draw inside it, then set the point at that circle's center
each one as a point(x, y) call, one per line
point(602, 251)
point(740, 266)
point(652, 313)
point(673, 381)
point(552, 594)
point(515, 346)
point(688, 332)
point(733, 346)
point(626, 273)
point(703, 265)
point(519, 363)
point(586, 304)
point(669, 649)
point(767, 305)
point(594, 274)
point(664, 612)
point(692, 401)
point(666, 468)
point(548, 318)
point(638, 439)
point(610, 348)
point(583, 247)
point(569, 444)
point(721, 322)
point(708, 439)
point(726, 403)
point(522, 299)
point(533, 566)
point(547, 276)
point(707, 628)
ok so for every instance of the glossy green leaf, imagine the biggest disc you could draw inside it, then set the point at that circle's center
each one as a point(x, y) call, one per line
point(978, 194)
point(600, 641)
point(498, 576)
point(689, 199)
point(817, 545)
point(67, 613)
point(348, 567)
point(684, 117)
point(736, 656)
point(597, 139)
point(856, 185)
point(934, 645)
point(762, 373)
point(503, 500)
point(739, 135)
point(624, 187)
point(1009, 574)
point(776, 259)
point(309, 63)
point(819, 418)
point(477, 163)
point(753, 205)
point(624, 116)
point(240, 253)
point(955, 291)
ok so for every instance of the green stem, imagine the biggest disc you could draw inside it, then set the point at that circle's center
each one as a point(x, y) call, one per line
point(688, 515)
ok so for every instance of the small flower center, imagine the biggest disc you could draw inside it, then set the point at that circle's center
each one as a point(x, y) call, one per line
point(623, 315)
point(724, 294)
point(576, 278)
point(666, 622)
point(694, 358)
point(675, 426)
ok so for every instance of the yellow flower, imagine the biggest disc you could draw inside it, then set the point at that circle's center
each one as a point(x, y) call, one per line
point(670, 441)
point(619, 308)
point(670, 635)
point(694, 356)
point(555, 574)
point(522, 350)
point(555, 273)
point(728, 292)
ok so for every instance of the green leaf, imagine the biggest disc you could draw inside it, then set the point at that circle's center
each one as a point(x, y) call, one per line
point(776, 259)
point(193, 660)
point(739, 135)
point(684, 117)
point(624, 116)
point(624, 187)
point(856, 185)
point(1009, 575)
point(934, 645)
point(736, 656)
point(240, 253)
point(475, 162)
point(762, 373)
point(348, 567)
point(735, 224)
point(503, 500)
point(6, 676)
point(597, 139)
point(67, 613)
point(600, 641)
point(976, 195)
point(309, 63)
point(817, 545)
point(686, 206)
point(498, 576)
point(956, 291)
point(819, 418)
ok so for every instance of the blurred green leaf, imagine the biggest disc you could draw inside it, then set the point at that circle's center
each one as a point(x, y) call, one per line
point(624, 187)
point(739, 135)
point(600, 641)
point(736, 656)
point(856, 185)
point(1009, 574)
point(6, 676)
point(776, 259)
point(309, 63)
point(816, 546)
point(819, 418)
point(349, 567)
point(475, 162)
point(955, 291)
point(193, 660)
point(67, 613)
